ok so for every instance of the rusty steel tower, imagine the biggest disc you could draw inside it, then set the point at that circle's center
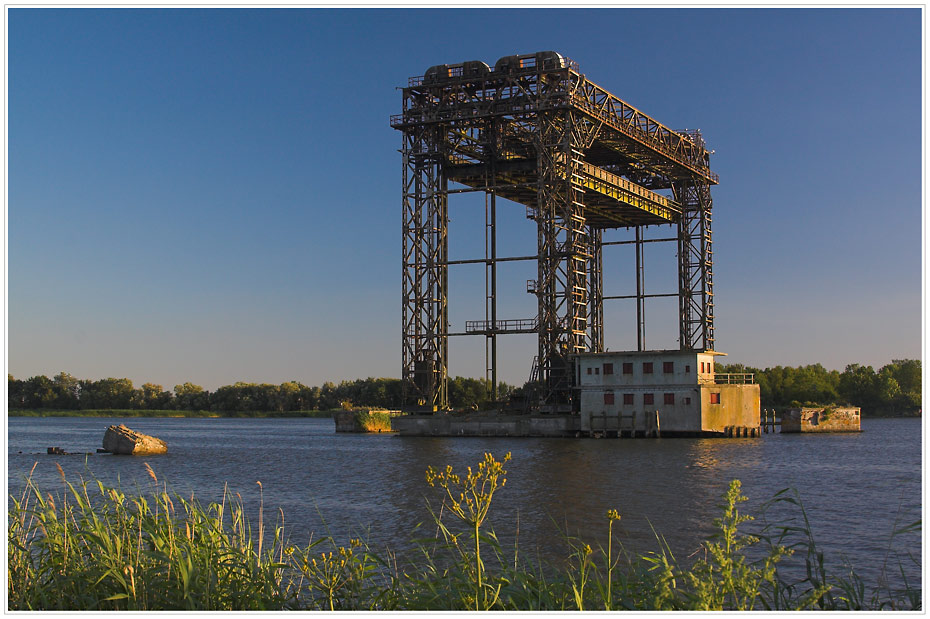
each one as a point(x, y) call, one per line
point(536, 131)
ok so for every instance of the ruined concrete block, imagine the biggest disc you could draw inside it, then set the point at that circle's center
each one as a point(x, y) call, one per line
point(121, 440)
point(826, 419)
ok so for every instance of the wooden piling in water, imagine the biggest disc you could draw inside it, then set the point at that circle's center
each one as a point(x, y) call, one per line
point(768, 420)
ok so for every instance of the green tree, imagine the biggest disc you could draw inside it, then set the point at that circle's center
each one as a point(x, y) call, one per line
point(263, 397)
point(107, 393)
point(394, 393)
point(329, 398)
point(887, 389)
point(152, 397)
point(226, 398)
point(908, 374)
point(67, 391)
point(814, 384)
point(15, 395)
point(39, 392)
point(468, 392)
point(857, 385)
point(313, 398)
point(288, 396)
point(191, 397)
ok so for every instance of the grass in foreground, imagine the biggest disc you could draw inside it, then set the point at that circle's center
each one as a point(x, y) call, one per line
point(95, 548)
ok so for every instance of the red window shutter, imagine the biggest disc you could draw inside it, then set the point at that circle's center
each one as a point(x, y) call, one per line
point(627, 398)
point(627, 368)
point(669, 398)
point(647, 367)
point(648, 398)
point(609, 397)
point(608, 368)
point(668, 367)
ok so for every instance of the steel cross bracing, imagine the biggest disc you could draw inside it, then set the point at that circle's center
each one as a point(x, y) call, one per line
point(536, 131)
point(695, 266)
point(425, 274)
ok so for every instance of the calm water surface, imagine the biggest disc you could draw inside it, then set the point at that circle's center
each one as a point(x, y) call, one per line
point(856, 488)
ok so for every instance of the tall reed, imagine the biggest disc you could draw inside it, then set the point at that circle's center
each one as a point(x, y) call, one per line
point(92, 547)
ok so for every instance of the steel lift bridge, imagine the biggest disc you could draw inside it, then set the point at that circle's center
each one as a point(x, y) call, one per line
point(536, 131)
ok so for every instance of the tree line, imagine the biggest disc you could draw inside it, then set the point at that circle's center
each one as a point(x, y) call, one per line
point(65, 392)
point(895, 389)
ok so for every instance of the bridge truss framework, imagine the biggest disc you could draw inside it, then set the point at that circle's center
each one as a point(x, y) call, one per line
point(536, 131)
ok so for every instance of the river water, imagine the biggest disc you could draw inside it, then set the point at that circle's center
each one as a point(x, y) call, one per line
point(856, 488)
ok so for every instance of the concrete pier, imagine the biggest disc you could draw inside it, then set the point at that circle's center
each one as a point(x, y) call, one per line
point(554, 426)
point(796, 420)
point(486, 425)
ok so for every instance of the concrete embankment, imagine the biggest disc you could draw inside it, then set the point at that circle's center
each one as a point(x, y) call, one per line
point(486, 425)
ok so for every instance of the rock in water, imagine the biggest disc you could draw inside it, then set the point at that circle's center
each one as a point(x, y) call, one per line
point(121, 440)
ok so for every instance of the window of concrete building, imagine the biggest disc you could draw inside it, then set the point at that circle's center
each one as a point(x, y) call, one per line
point(628, 368)
point(687, 369)
point(608, 368)
point(687, 400)
point(648, 398)
point(589, 370)
point(669, 398)
point(628, 398)
point(597, 371)
point(668, 367)
point(715, 398)
point(609, 397)
point(647, 367)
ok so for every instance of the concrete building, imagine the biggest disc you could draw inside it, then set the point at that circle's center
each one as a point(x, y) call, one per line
point(672, 392)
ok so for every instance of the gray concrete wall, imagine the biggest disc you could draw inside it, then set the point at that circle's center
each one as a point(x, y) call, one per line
point(684, 415)
point(474, 425)
point(686, 368)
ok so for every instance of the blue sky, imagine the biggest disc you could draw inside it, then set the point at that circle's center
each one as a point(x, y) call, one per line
point(214, 195)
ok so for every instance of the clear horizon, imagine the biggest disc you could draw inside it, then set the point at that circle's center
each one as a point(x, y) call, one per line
point(213, 195)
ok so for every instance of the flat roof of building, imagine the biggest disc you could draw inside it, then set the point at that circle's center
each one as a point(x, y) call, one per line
point(676, 351)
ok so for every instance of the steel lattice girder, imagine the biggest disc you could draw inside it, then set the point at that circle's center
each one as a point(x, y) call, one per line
point(581, 160)
point(425, 273)
point(563, 249)
point(695, 266)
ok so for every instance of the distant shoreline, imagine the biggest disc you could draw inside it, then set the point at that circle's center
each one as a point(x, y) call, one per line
point(168, 414)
